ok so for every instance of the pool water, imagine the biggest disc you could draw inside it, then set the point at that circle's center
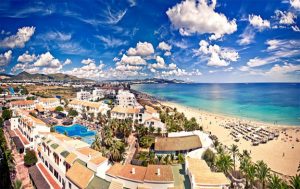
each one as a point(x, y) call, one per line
point(77, 130)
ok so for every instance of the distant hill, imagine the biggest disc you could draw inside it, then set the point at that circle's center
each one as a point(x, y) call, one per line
point(57, 77)
point(151, 80)
point(5, 76)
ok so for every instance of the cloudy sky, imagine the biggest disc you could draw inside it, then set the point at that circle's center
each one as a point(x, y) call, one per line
point(202, 41)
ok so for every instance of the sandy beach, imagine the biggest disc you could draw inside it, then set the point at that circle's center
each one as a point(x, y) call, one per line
point(282, 154)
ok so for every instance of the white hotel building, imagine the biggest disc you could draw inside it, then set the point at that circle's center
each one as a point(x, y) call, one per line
point(89, 107)
point(27, 128)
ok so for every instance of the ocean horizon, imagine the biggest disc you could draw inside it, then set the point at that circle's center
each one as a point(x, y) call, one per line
point(275, 103)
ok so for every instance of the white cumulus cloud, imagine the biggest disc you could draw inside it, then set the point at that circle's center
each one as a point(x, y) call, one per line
point(295, 4)
point(191, 16)
point(141, 49)
point(285, 17)
point(5, 58)
point(258, 22)
point(164, 46)
point(47, 60)
point(26, 57)
point(88, 61)
point(132, 60)
point(18, 40)
point(217, 56)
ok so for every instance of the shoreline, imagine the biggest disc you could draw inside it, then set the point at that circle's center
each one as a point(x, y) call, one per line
point(283, 152)
point(217, 114)
point(252, 120)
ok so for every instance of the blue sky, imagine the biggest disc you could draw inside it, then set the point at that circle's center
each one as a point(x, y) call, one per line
point(202, 41)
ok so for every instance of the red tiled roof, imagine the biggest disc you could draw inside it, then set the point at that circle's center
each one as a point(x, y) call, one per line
point(47, 175)
point(20, 135)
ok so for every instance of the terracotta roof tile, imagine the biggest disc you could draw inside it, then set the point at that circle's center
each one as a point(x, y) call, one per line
point(80, 175)
point(133, 172)
point(159, 173)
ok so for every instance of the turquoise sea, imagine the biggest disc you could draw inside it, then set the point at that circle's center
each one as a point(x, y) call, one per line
point(277, 103)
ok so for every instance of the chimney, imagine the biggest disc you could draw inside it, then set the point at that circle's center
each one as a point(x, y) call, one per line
point(90, 156)
point(158, 171)
point(133, 170)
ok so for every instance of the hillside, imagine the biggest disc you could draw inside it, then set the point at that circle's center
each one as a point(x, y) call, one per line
point(57, 77)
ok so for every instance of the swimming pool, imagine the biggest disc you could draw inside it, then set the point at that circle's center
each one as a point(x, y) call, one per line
point(77, 130)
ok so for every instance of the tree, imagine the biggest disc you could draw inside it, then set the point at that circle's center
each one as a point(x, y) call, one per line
point(295, 182)
point(245, 162)
point(159, 131)
point(24, 91)
point(274, 182)
point(151, 129)
point(116, 150)
point(167, 159)
point(234, 150)
point(262, 172)
point(146, 141)
point(52, 129)
point(18, 184)
point(96, 145)
point(144, 158)
point(59, 109)
point(6, 114)
point(30, 158)
point(1, 122)
point(209, 156)
point(250, 174)
point(224, 163)
point(72, 113)
point(180, 158)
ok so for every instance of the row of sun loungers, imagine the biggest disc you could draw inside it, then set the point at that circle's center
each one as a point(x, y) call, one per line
point(256, 135)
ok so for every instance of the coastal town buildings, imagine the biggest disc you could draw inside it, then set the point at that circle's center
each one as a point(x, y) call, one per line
point(83, 95)
point(71, 162)
point(47, 103)
point(129, 112)
point(201, 176)
point(125, 98)
point(98, 94)
point(22, 104)
point(27, 128)
point(84, 106)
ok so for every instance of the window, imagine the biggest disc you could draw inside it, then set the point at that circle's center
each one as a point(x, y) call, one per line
point(70, 185)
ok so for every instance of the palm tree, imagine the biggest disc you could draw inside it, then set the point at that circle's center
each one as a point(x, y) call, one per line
point(151, 157)
point(209, 156)
point(262, 172)
point(234, 150)
point(17, 184)
point(108, 141)
point(116, 150)
point(144, 158)
point(274, 182)
point(159, 157)
point(151, 130)
point(96, 145)
point(245, 153)
point(172, 158)
point(245, 162)
point(295, 182)
point(167, 159)
point(159, 131)
point(220, 149)
point(180, 158)
point(250, 174)
point(224, 163)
